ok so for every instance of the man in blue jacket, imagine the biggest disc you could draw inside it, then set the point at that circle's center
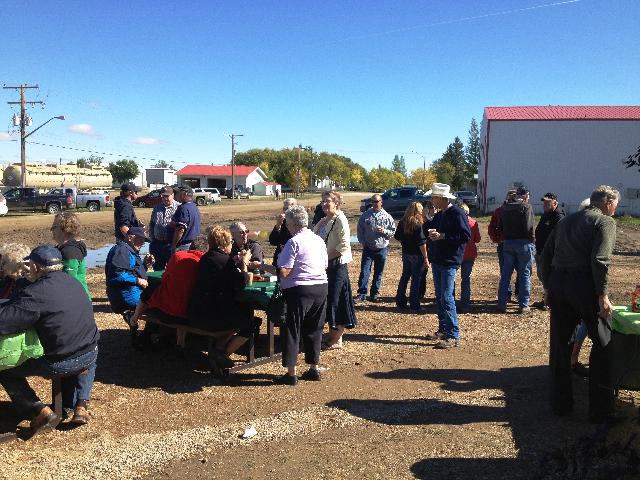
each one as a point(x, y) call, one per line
point(447, 238)
point(59, 310)
point(126, 272)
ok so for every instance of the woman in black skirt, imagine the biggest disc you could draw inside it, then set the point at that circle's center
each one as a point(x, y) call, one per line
point(334, 230)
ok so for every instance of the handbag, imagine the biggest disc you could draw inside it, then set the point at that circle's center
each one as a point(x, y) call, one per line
point(277, 307)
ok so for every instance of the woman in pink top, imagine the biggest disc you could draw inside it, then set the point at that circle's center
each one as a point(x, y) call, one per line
point(470, 254)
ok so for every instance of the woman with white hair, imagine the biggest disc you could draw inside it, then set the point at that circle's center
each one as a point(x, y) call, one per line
point(13, 270)
point(280, 233)
point(303, 278)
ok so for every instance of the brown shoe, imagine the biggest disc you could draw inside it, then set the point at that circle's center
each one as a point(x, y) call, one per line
point(46, 421)
point(80, 415)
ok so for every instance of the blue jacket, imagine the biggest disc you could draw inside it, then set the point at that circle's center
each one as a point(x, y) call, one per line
point(122, 270)
point(187, 217)
point(453, 223)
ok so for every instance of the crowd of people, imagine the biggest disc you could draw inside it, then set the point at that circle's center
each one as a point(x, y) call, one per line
point(205, 272)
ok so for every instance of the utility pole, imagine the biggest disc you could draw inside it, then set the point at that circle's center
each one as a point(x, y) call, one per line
point(233, 162)
point(23, 127)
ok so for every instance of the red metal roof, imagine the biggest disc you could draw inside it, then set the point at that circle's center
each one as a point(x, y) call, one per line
point(215, 170)
point(270, 183)
point(559, 112)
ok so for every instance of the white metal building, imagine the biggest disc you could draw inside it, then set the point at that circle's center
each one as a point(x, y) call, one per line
point(560, 149)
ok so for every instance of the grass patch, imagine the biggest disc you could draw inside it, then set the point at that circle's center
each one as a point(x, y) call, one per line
point(628, 220)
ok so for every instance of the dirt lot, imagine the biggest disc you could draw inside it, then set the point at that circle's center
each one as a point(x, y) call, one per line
point(388, 406)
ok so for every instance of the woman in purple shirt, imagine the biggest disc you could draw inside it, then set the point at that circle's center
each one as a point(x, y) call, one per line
point(302, 263)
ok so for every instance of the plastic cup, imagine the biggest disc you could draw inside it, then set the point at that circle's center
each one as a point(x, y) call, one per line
point(248, 277)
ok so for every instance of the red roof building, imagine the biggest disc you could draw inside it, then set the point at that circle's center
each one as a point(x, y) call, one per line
point(219, 176)
point(551, 112)
point(566, 150)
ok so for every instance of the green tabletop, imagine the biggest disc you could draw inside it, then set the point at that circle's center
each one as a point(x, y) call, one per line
point(258, 293)
point(623, 320)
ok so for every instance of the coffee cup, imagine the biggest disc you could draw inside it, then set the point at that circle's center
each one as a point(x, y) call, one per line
point(248, 278)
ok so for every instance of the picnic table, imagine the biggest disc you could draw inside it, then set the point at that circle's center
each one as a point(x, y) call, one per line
point(257, 296)
point(625, 364)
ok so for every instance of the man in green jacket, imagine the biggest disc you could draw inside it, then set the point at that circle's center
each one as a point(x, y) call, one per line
point(574, 271)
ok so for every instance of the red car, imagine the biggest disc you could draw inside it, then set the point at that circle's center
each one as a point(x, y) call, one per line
point(149, 200)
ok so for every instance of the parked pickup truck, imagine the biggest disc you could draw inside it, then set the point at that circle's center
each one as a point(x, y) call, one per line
point(92, 201)
point(396, 200)
point(30, 199)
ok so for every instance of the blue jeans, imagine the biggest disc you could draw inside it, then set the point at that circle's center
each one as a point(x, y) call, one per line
point(378, 258)
point(74, 388)
point(412, 267)
point(465, 283)
point(518, 256)
point(444, 282)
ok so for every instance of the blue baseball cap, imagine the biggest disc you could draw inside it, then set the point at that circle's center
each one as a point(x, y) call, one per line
point(138, 232)
point(45, 255)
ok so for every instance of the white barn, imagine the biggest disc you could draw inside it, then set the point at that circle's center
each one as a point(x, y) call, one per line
point(560, 149)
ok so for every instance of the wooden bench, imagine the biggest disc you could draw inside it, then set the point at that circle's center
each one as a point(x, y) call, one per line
point(251, 361)
point(56, 399)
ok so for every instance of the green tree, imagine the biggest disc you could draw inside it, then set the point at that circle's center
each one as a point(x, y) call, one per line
point(381, 179)
point(163, 164)
point(398, 165)
point(422, 178)
point(451, 168)
point(472, 150)
point(123, 170)
point(84, 162)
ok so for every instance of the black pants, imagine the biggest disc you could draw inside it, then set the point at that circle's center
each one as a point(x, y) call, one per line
point(306, 310)
point(572, 297)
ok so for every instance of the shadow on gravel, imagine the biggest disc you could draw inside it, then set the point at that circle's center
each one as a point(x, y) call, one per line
point(387, 339)
point(170, 370)
point(524, 411)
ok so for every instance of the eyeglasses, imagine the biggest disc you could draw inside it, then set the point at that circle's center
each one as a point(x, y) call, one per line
point(377, 201)
point(243, 232)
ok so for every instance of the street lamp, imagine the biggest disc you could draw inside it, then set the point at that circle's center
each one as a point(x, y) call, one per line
point(23, 137)
point(424, 167)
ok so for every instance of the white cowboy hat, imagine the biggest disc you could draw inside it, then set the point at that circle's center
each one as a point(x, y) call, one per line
point(441, 190)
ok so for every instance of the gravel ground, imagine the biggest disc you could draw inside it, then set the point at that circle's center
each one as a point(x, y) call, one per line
point(388, 406)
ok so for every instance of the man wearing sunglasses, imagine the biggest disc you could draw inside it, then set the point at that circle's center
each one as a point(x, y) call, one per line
point(242, 242)
point(375, 228)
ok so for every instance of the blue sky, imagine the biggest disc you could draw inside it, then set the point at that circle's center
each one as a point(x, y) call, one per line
point(366, 79)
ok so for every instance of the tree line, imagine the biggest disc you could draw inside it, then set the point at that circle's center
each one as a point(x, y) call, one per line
point(302, 168)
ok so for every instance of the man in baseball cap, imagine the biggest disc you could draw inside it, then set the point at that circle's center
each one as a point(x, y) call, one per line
point(126, 271)
point(57, 307)
point(124, 216)
point(551, 215)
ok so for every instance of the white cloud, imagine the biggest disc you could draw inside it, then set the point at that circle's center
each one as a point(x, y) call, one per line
point(148, 141)
point(82, 129)
point(5, 137)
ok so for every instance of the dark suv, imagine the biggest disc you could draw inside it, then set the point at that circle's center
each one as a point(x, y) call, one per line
point(396, 200)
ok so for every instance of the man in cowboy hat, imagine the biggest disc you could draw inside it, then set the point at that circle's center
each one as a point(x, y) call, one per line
point(447, 238)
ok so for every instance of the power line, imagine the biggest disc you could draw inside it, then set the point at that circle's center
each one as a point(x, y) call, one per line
point(99, 153)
